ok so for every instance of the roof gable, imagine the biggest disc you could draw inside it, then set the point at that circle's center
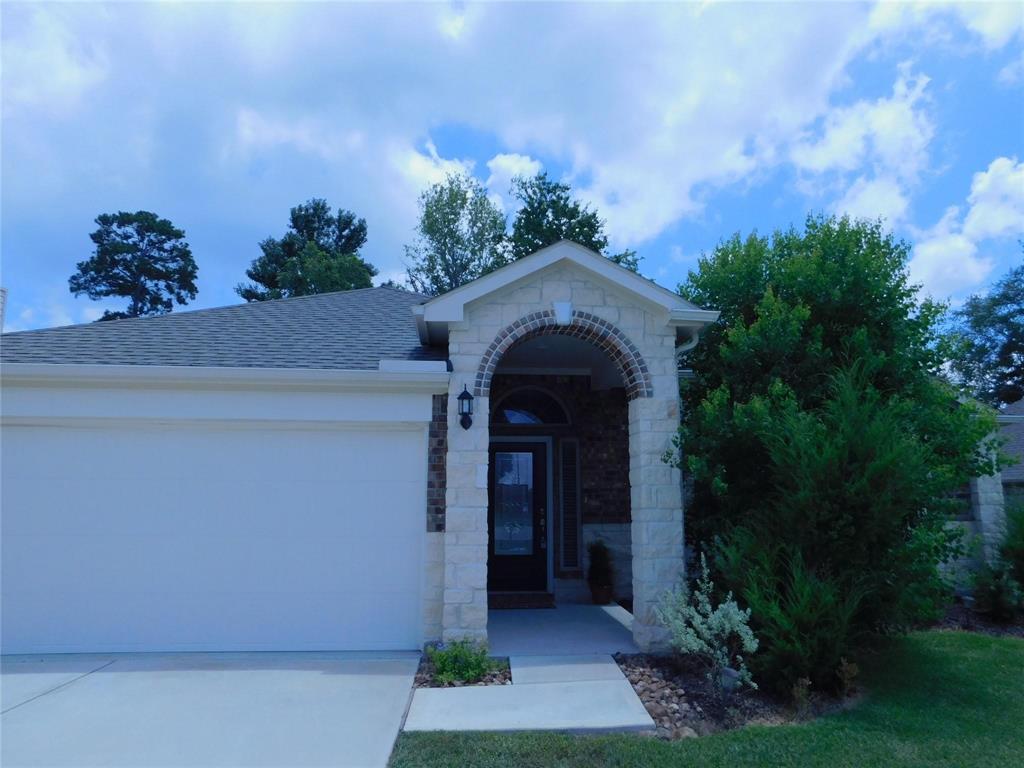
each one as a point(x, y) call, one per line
point(434, 315)
point(450, 306)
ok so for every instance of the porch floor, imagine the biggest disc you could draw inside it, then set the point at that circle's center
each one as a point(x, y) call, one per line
point(564, 630)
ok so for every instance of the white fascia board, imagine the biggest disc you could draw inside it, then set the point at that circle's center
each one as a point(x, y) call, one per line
point(421, 324)
point(692, 317)
point(433, 379)
point(412, 366)
point(450, 306)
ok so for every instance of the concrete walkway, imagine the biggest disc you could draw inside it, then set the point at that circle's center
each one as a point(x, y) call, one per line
point(548, 693)
point(199, 709)
point(567, 629)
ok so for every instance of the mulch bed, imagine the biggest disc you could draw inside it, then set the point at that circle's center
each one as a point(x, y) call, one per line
point(500, 675)
point(683, 703)
point(963, 617)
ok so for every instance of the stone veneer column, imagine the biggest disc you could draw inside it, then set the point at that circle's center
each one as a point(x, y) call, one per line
point(989, 512)
point(657, 513)
point(465, 536)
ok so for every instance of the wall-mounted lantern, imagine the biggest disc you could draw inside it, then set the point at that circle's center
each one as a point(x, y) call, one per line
point(465, 408)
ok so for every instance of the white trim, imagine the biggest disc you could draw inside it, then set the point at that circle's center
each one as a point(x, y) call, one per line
point(692, 317)
point(241, 424)
point(547, 440)
point(46, 374)
point(412, 366)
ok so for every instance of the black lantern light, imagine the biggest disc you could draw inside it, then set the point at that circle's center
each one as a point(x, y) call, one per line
point(465, 408)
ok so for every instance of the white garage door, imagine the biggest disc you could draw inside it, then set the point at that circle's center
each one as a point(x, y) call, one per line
point(159, 537)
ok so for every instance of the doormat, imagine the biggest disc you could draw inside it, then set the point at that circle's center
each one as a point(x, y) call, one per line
point(511, 600)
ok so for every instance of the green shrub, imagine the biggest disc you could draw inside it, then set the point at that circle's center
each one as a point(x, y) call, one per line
point(806, 622)
point(997, 594)
point(718, 634)
point(460, 661)
point(1013, 544)
point(819, 427)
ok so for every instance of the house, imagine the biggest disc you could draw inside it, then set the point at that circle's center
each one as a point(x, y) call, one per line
point(989, 497)
point(297, 475)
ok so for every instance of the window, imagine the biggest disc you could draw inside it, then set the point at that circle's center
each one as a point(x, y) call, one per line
point(529, 406)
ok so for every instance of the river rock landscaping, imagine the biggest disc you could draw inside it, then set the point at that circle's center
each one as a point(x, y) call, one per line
point(684, 704)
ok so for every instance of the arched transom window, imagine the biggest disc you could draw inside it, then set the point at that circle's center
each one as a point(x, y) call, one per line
point(528, 406)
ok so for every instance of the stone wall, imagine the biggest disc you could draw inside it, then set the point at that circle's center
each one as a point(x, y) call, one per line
point(989, 513)
point(433, 587)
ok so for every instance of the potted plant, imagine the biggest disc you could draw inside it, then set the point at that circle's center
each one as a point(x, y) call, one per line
point(599, 572)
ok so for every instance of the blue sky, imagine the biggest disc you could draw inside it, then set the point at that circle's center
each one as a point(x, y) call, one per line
point(681, 124)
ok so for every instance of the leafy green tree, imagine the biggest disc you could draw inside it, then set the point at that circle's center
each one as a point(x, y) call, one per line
point(823, 446)
point(986, 343)
point(550, 213)
point(460, 236)
point(318, 254)
point(141, 257)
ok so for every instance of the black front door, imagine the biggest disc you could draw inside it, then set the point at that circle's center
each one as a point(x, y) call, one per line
point(517, 518)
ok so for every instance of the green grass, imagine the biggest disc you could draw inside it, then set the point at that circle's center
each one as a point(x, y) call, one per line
point(935, 699)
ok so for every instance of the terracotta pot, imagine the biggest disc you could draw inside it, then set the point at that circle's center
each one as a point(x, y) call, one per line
point(602, 594)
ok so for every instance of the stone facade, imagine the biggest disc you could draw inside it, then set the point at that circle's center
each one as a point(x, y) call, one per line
point(989, 512)
point(639, 340)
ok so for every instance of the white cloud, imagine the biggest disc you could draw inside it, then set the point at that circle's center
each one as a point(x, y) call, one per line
point(997, 201)
point(884, 142)
point(994, 23)
point(1013, 72)
point(250, 109)
point(421, 169)
point(873, 198)
point(948, 258)
point(48, 66)
point(503, 168)
point(945, 261)
point(256, 132)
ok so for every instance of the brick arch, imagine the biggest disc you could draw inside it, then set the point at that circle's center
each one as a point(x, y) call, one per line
point(602, 334)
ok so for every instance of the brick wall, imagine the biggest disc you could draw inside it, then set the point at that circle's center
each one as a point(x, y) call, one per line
point(600, 420)
point(437, 452)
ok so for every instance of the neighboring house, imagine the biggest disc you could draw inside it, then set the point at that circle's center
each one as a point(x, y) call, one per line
point(295, 474)
point(991, 495)
point(1011, 426)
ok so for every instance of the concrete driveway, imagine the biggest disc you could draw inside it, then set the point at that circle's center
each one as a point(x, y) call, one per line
point(197, 709)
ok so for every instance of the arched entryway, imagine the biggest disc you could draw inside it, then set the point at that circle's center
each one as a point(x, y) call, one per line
point(558, 474)
point(630, 330)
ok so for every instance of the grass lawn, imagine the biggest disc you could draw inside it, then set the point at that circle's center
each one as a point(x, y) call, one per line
point(935, 699)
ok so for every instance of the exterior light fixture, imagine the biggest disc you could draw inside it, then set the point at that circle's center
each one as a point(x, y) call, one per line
point(465, 408)
point(563, 312)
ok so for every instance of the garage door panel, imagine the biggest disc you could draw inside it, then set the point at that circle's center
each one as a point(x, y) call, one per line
point(162, 538)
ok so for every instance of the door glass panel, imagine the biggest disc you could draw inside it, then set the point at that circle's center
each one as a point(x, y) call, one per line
point(513, 503)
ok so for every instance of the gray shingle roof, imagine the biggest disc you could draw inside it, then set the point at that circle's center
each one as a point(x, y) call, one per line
point(350, 330)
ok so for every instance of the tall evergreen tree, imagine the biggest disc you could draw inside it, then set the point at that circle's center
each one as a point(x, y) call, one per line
point(141, 257)
point(318, 254)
